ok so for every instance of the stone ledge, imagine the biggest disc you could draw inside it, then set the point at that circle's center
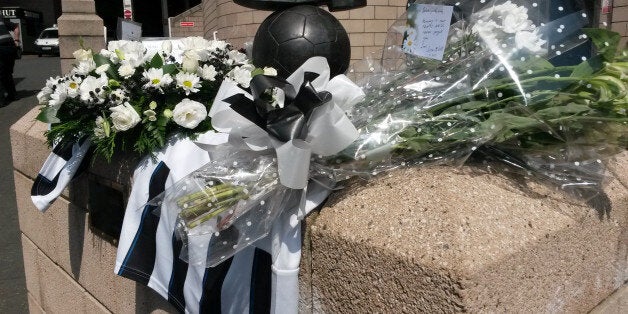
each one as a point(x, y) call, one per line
point(74, 6)
point(441, 240)
point(80, 25)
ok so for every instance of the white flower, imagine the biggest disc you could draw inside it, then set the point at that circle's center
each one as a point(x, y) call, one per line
point(156, 79)
point(82, 55)
point(208, 72)
point(196, 48)
point(189, 113)
point(44, 95)
point(279, 97)
point(189, 65)
point(530, 41)
point(102, 128)
point(91, 89)
point(109, 55)
point(166, 47)
point(124, 117)
point(270, 71)
point(236, 57)
point(126, 70)
point(217, 45)
point(515, 21)
point(58, 97)
point(102, 69)
point(118, 96)
point(84, 67)
point(73, 85)
point(188, 82)
point(242, 75)
point(130, 51)
point(151, 115)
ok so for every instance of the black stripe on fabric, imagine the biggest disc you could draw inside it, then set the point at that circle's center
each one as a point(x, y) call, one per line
point(64, 149)
point(212, 287)
point(43, 186)
point(261, 282)
point(140, 259)
point(177, 279)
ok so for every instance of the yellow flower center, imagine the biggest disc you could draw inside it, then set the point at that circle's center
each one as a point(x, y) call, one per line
point(187, 84)
point(73, 85)
point(155, 81)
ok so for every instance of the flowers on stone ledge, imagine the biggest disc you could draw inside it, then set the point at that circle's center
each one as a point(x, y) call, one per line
point(125, 97)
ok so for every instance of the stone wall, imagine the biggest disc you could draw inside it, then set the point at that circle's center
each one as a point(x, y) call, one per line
point(619, 19)
point(367, 27)
point(194, 15)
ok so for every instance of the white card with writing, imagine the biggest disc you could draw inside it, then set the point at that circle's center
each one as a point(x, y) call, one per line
point(428, 28)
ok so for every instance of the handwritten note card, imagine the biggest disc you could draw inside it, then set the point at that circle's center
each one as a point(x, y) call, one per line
point(428, 28)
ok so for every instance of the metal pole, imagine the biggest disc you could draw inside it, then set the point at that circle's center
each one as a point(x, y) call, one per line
point(164, 17)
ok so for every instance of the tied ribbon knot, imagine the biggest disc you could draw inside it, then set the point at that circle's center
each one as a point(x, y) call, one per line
point(310, 123)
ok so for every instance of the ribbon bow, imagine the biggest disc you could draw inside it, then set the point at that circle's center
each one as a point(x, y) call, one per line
point(311, 121)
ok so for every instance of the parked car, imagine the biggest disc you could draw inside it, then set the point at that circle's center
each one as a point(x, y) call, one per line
point(48, 42)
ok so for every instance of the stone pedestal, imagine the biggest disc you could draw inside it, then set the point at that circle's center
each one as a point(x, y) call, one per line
point(443, 240)
point(77, 23)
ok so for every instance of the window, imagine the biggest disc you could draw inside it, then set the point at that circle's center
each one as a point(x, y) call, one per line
point(50, 33)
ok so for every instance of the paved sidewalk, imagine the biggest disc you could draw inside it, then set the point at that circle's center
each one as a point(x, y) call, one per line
point(30, 74)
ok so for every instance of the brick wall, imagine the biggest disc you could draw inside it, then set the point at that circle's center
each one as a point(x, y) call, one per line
point(619, 19)
point(367, 27)
point(195, 15)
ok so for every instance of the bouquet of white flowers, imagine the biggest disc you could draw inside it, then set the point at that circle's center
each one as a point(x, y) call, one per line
point(125, 96)
point(494, 95)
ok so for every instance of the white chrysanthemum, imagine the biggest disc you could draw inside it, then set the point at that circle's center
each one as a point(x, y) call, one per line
point(91, 89)
point(124, 117)
point(44, 95)
point(208, 72)
point(58, 97)
point(156, 79)
point(236, 57)
point(189, 113)
point(530, 41)
point(217, 45)
point(242, 75)
point(101, 130)
point(188, 82)
point(84, 67)
point(126, 70)
point(82, 55)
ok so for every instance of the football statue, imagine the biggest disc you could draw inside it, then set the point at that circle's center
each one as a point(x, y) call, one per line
point(287, 38)
point(333, 5)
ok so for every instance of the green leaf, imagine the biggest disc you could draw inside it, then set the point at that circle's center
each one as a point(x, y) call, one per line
point(170, 69)
point(562, 111)
point(156, 61)
point(100, 60)
point(588, 67)
point(48, 115)
point(534, 64)
point(605, 41)
point(257, 71)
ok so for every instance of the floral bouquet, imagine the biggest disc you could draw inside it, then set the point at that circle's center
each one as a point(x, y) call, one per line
point(125, 96)
point(492, 95)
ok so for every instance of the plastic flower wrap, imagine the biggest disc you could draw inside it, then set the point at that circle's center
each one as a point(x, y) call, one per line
point(493, 90)
point(128, 96)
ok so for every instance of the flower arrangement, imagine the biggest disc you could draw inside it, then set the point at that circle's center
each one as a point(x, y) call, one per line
point(125, 97)
point(495, 95)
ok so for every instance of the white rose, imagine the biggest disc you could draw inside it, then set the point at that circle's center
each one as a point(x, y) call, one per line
point(124, 117)
point(189, 64)
point(82, 55)
point(102, 69)
point(189, 113)
point(166, 47)
point(270, 71)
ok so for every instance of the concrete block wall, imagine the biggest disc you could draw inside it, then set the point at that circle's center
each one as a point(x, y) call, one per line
point(69, 266)
point(78, 22)
point(195, 15)
point(367, 27)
